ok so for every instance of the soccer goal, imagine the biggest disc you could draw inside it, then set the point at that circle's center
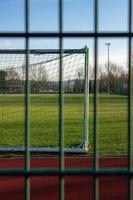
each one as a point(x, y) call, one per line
point(44, 73)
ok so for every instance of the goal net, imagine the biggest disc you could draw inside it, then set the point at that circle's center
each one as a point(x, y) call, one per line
point(44, 66)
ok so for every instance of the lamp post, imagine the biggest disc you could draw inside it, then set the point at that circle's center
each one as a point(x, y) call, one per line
point(108, 45)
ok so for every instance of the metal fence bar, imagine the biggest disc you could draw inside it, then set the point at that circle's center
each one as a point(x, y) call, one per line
point(130, 197)
point(68, 172)
point(67, 34)
point(27, 104)
point(61, 105)
point(129, 119)
point(95, 143)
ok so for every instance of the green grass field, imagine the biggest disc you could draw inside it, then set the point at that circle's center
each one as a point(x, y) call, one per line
point(45, 121)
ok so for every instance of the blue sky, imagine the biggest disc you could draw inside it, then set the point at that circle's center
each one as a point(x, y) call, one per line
point(78, 16)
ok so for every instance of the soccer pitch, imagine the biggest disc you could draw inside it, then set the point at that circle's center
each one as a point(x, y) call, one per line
point(44, 121)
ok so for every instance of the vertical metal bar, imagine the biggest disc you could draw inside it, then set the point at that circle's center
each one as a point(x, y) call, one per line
point(61, 104)
point(130, 185)
point(27, 104)
point(130, 159)
point(96, 161)
point(86, 100)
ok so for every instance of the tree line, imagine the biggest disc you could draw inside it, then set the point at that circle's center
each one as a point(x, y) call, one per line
point(116, 75)
point(13, 82)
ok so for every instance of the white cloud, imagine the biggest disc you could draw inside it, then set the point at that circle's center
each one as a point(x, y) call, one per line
point(7, 44)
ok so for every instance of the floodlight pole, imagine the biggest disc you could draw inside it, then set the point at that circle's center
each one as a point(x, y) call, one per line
point(108, 45)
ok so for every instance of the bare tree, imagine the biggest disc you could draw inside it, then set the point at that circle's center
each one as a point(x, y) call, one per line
point(13, 81)
point(39, 78)
point(117, 76)
point(38, 73)
point(12, 75)
point(78, 85)
point(2, 80)
point(2, 76)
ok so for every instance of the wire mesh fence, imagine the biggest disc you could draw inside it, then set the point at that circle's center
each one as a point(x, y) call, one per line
point(61, 172)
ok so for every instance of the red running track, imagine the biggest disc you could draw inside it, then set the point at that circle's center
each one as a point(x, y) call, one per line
point(76, 188)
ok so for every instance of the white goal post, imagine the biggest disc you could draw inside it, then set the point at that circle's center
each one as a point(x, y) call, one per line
point(44, 100)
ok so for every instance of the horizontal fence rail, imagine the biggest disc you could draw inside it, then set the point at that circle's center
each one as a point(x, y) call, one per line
point(65, 35)
point(67, 172)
